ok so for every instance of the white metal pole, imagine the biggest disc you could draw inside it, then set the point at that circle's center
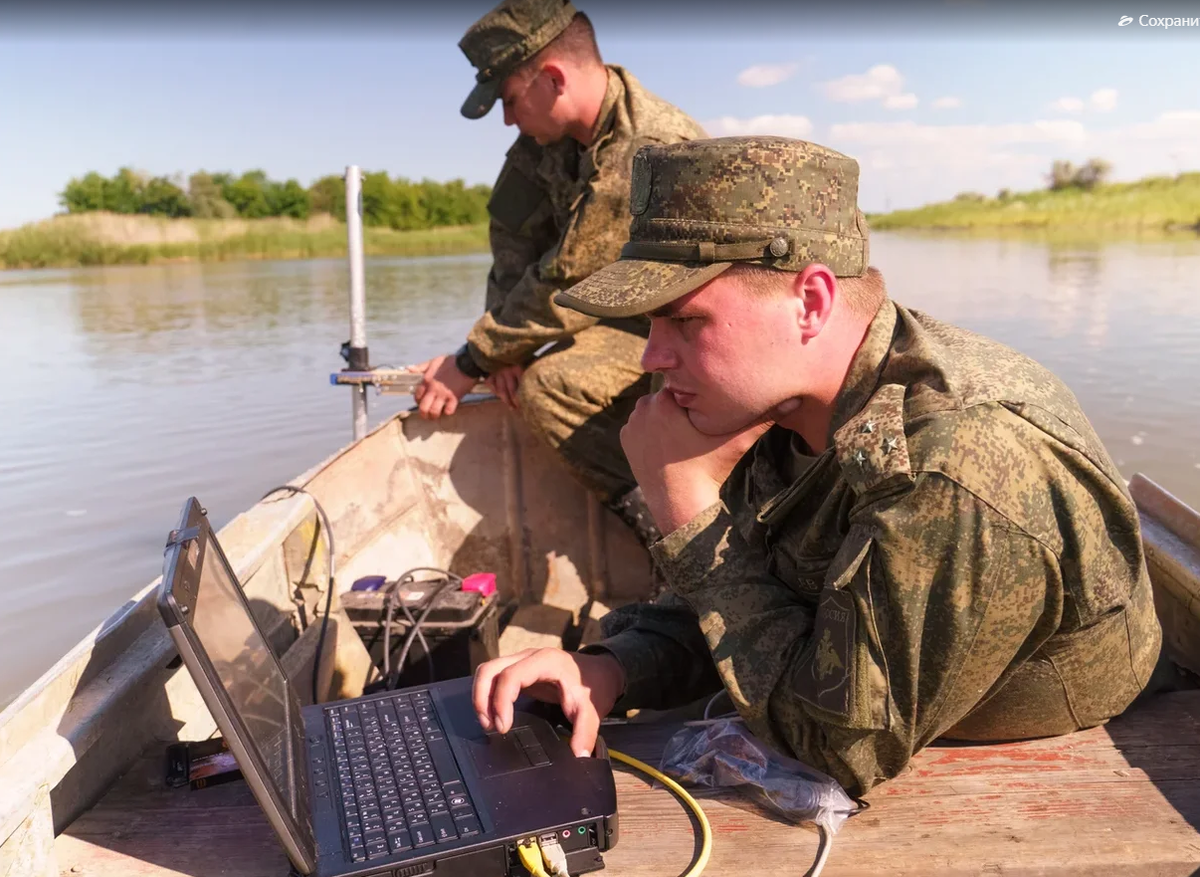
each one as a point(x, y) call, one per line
point(358, 298)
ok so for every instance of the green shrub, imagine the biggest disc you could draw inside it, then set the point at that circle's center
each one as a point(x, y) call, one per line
point(398, 203)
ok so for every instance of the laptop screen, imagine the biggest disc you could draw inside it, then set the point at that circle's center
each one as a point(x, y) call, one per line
point(212, 621)
point(247, 669)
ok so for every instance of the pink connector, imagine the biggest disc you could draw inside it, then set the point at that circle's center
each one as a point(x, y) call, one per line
point(483, 582)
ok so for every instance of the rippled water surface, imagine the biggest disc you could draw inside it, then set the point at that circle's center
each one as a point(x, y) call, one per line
point(124, 390)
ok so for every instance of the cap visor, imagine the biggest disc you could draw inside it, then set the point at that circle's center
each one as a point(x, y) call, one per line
point(479, 102)
point(637, 286)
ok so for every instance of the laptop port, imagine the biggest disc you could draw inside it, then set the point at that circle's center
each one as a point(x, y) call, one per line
point(414, 870)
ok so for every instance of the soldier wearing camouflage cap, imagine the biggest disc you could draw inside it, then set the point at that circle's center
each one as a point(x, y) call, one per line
point(559, 211)
point(882, 529)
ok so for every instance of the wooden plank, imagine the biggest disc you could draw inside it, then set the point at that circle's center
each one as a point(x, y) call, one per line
point(1122, 799)
point(1118, 800)
point(29, 851)
point(142, 828)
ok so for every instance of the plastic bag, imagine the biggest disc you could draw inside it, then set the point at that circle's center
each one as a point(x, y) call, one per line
point(724, 754)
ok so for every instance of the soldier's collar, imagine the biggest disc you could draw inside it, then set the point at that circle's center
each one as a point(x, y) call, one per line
point(866, 367)
point(602, 130)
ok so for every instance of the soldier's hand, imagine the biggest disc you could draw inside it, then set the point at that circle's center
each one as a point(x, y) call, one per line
point(441, 388)
point(585, 686)
point(679, 468)
point(505, 382)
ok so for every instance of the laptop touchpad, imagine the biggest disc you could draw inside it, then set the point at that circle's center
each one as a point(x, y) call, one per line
point(498, 753)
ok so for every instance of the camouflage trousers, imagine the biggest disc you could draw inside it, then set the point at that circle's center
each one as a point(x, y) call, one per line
point(577, 396)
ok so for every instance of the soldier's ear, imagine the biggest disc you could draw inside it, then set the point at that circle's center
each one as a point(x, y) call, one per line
point(557, 77)
point(813, 291)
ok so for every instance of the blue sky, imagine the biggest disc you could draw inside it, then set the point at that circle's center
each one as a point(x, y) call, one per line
point(957, 97)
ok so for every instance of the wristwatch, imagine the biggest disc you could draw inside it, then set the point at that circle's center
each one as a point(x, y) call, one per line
point(467, 365)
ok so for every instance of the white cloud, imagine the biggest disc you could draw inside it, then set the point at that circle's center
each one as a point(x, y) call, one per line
point(958, 136)
point(785, 126)
point(947, 103)
point(900, 101)
point(1185, 116)
point(906, 164)
point(1068, 105)
point(882, 82)
point(1104, 100)
point(1175, 134)
point(763, 75)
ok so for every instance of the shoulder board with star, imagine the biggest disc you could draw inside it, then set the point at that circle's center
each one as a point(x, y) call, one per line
point(871, 447)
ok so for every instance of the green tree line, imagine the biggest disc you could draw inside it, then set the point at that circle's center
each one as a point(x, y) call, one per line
point(391, 203)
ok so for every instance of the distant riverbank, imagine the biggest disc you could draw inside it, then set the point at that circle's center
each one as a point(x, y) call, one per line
point(110, 239)
point(1152, 205)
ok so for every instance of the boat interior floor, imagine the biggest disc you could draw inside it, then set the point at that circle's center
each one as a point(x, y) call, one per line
point(1119, 799)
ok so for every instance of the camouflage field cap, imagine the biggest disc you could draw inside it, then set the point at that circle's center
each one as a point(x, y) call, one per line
point(702, 205)
point(502, 40)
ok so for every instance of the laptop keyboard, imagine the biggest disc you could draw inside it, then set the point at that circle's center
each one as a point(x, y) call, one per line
point(400, 785)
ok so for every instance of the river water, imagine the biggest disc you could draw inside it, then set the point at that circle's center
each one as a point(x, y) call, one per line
point(125, 390)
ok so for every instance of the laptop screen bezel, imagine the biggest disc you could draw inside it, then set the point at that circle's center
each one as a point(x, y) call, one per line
point(177, 603)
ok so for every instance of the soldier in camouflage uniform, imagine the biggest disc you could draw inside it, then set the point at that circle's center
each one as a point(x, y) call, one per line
point(925, 538)
point(559, 211)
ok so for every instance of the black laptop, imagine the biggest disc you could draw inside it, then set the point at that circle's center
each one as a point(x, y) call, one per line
point(399, 783)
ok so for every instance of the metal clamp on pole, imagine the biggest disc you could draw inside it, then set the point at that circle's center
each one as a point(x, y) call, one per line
point(394, 381)
point(355, 351)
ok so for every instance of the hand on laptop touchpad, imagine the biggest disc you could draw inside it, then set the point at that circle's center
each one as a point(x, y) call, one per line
point(519, 749)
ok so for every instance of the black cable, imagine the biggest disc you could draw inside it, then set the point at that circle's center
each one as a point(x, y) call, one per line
point(328, 530)
point(386, 625)
point(408, 616)
point(389, 609)
point(392, 677)
point(416, 630)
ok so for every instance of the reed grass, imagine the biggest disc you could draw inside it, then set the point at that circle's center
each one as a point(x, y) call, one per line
point(110, 239)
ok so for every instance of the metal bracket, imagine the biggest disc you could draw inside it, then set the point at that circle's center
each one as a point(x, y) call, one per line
point(392, 381)
point(182, 537)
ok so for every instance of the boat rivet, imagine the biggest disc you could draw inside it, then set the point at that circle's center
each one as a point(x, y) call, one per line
point(183, 610)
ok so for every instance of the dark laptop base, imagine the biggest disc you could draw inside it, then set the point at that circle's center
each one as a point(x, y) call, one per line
point(523, 784)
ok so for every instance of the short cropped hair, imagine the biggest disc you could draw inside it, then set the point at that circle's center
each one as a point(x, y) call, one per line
point(863, 294)
point(577, 43)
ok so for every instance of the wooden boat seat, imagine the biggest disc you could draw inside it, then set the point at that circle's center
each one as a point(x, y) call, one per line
point(1120, 799)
